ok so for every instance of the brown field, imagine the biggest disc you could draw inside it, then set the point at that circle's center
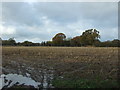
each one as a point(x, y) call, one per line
point(62, 62)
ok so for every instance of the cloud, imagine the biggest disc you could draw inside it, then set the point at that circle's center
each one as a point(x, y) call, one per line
point(4, 31)
point(72, 12)
point(19, 13)
point(40, 21)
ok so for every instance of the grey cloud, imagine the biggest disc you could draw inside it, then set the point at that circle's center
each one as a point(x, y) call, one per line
point(19, 13)
point(72, 12)
point(41, 21)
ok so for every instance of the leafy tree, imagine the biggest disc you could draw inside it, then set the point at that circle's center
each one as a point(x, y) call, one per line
point(49, 43)
point(43, 44)
point(27, 43)
point(12, 41)
point(9, 42)
point(97, 43)
point(116, 43)
point(58, 39)
point(76, 41)
point(67, 42)
point(89, 37)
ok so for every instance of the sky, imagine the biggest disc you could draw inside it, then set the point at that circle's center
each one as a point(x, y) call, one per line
point(41, 21)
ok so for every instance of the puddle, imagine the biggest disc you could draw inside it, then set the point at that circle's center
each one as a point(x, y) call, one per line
point(27, 75)
point(43, 80)
point(10, 80)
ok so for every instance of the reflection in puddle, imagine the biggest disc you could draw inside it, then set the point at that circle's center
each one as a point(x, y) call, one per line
point(10, 80)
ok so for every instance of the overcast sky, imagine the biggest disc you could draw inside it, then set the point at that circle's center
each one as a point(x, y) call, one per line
point(40, 21)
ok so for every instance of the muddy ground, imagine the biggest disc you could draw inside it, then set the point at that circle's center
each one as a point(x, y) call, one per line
point(46, 64)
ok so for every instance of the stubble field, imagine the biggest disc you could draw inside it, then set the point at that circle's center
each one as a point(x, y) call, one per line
point(64, 67)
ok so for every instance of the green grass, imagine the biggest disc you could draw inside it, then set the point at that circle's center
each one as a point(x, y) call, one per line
point(84, 83)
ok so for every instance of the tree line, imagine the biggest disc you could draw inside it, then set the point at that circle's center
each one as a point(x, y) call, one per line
point(89, 37)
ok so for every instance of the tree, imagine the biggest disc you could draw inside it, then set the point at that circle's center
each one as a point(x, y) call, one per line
point(0, 41)
point(49, 43)
point(43, 44)
point(116, 43)
point(67, 41)
point(58, 39)
point(89, 37)
point(9, 42)
point(12, 41)
point(27, 43)
point(76, 41)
